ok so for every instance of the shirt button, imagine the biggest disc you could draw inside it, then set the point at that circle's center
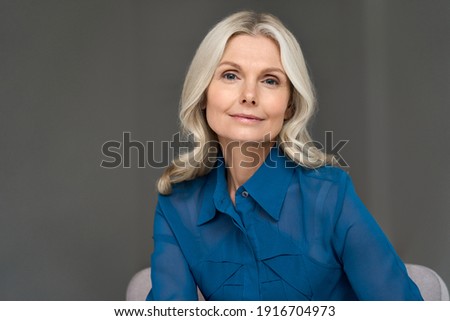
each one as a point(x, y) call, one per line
point(244, 194)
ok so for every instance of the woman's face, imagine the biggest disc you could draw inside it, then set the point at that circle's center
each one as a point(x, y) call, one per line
point(248, 96)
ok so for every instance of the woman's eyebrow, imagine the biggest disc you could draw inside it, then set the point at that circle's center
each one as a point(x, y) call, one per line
point(267, 70)
point(275, 69)
point(229, 63)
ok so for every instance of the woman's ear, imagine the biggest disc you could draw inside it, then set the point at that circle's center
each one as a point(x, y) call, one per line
point(291, 106)
point(289, 112)
point(203, 102)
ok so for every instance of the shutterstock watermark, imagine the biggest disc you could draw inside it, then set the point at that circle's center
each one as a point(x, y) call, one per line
point(120, 154)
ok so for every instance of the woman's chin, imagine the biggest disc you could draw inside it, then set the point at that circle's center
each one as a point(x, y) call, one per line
point(238, 140)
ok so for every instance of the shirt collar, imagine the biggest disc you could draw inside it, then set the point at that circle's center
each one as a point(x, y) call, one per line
point(215, 191)
point(267, 186)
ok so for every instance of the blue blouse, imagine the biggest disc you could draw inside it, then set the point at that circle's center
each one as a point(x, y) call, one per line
point(293, 234)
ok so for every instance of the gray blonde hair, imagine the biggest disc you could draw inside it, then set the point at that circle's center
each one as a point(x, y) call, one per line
point(293, 138)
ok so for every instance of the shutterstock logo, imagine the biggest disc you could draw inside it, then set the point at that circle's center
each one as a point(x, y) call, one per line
point(119, 153)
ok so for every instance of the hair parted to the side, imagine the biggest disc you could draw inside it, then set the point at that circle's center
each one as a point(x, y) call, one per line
point(294, 138)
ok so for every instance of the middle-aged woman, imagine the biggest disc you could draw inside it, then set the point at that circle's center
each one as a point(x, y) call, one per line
point(252, 212)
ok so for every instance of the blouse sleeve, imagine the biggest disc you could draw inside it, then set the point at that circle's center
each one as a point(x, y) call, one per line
point(170, 273)
point(373, 268)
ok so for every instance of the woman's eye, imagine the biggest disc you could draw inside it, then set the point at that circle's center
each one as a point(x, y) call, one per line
point(229, 76)
point(271, 81)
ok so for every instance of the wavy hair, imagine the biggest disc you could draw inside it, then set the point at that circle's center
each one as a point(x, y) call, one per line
point(294, 138)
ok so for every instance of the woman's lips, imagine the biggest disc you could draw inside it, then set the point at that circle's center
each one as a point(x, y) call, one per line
point(246, 118)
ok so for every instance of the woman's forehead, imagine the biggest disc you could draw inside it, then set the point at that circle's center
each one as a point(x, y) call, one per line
point(256, 50)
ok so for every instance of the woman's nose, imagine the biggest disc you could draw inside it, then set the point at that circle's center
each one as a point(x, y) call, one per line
point(249, 100)
point(249, 95)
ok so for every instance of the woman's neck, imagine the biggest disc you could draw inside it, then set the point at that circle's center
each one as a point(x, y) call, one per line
point(242, 160)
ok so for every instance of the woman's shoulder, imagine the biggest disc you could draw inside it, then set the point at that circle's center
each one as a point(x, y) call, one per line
point(325, 173)
point(326, 184)
point(188, 189)
point(187, 199)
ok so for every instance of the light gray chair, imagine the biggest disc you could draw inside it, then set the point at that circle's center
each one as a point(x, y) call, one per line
point(430, 284)
point(140, 284)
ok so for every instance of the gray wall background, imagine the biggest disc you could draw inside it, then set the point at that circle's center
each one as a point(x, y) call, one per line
point(75, 74)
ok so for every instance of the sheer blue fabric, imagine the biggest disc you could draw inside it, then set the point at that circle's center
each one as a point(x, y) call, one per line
point(293, 234)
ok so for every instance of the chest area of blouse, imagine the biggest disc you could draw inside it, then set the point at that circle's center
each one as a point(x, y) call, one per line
point(263, 262)
point(246, 253)
point(255, 257)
